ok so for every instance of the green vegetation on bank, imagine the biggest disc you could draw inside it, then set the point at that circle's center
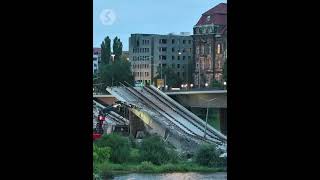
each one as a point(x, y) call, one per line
point(114, 154)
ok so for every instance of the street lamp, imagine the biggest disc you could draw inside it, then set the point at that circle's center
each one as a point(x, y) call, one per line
point(205, 130)
point(191, 85)
point(112, 73)
point(127, 59)
point(206, 84)
point(225, 84)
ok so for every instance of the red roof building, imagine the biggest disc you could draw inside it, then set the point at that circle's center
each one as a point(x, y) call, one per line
point(210, 44)
point(216, 15)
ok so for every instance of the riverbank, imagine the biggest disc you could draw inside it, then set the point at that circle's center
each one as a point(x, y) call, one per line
point(114, 154)
point(175, 176)
point(148, 167)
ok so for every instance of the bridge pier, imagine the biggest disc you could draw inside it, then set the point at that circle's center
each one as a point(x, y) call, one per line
point(135, 124)
point(223, 120)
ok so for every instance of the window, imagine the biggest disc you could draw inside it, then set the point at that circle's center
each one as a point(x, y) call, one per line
point(184, 41)
point(209, 48)
point(95, 65)
point(145, 66)
point(178, 74)
point(178, 66)
point(172, 41)
point(173, 65)
point(190, 50)
point(218, 49)
point(162, 41)
point(162, 49)
point(163, 57)
point(208, 18)
point(172, 57)
point(197, 50)
point(189, 57)
point(202, 49)
point(197, 30)
point(189, 41)
point(183, 66)
point(183, 74)
point(183, 50)
point(172, 49)
point(183, 57)
point(178, 57)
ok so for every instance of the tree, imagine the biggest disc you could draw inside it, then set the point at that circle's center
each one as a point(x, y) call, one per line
point(171, 76)
point(207, 156)
point(119, 146)
point(117, 49)
point(112, 74)
point(153, 149)
point(225, 72)
point(105, 51)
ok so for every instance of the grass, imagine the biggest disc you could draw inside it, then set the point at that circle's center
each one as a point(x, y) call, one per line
point(148, 167)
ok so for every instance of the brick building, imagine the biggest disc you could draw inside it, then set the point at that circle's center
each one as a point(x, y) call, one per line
point(210, 45)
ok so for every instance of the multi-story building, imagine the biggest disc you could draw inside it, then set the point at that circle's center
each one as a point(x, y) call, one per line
point(210, 45)
point(96, 59)
point(149, 52)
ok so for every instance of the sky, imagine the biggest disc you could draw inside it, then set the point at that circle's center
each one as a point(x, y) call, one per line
point(124, 17)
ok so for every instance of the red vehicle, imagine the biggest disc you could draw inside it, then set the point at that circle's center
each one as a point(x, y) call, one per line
point(96, 136)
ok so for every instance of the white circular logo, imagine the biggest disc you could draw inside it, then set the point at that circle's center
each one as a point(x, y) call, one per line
point(107, 17)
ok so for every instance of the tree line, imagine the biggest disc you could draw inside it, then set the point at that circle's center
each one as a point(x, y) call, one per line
point(113, 67)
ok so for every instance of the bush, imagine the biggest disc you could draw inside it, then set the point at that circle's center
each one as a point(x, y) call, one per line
point(119, 147)
point(101, 154)
point(134, 155)
point(146, 166)
point(207, 156)
point(173, 156)
point(153, 149)
point(132, 141)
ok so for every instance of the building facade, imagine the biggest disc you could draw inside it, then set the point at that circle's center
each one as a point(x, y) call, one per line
point(96, 59)
point(149, 52)
point(210, 45)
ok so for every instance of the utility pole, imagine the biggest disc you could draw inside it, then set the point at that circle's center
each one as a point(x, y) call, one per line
point(205, 130)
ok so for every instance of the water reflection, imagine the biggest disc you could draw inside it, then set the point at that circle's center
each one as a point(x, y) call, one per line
point(173, 176)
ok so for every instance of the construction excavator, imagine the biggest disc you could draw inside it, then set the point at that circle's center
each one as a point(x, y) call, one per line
point(98, 130)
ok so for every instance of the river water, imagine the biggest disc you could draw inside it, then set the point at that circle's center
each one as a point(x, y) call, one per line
point(173, 176)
